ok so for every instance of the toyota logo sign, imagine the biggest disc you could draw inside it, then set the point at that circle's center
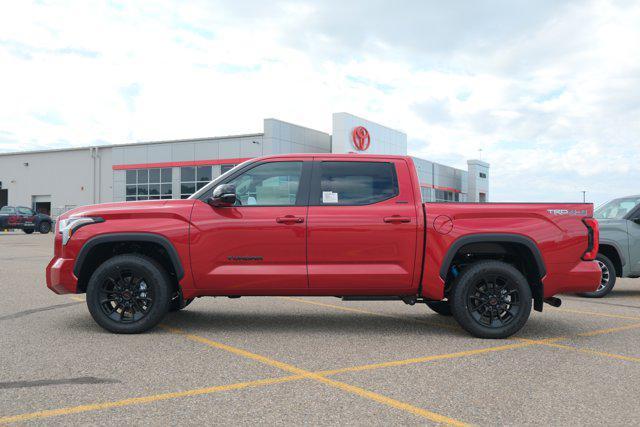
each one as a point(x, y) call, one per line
point(361, 138)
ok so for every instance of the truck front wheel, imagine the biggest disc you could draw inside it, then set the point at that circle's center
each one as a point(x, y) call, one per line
point(128, 294)
point(491, 299)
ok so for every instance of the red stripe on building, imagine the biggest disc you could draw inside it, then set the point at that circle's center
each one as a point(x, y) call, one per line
point(437, 187)
point(179, 164)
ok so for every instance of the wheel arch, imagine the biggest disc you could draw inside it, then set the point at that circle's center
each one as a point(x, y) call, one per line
point(487, 243)
point(612, 250)
point(97, 249)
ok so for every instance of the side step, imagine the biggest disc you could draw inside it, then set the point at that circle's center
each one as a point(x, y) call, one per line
point(372, 298)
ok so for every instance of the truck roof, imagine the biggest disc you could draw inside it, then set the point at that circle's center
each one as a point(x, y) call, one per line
point(337, 156)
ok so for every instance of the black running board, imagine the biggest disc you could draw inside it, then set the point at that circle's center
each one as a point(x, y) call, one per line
point(372, 298)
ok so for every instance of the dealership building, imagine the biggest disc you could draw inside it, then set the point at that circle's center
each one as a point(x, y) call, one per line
point(54, 181)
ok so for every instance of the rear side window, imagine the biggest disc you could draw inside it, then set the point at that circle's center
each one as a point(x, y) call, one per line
point(7, 210)
point(356, 183)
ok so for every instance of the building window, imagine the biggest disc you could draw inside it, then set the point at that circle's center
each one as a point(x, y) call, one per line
point(148, 184)
point(447, 196)
point(483, 175)
point(193, 178)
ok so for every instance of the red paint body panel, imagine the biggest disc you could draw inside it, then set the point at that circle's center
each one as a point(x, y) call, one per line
point(335, 250)
point(561, 239)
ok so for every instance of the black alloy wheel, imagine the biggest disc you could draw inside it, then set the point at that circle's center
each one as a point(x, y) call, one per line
point(125, 296)
point(128, 294)
point(491, 299)
point(44, 227)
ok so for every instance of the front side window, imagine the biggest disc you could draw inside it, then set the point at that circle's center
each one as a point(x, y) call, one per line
point(269, 184)
point(25, 211)
point(356, 183)
point(617, 209)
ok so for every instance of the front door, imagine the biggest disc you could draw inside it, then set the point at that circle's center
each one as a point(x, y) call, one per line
point(362, 228)
point(258, 246)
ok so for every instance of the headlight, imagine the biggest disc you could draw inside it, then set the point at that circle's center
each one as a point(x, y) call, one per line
point(68, 226)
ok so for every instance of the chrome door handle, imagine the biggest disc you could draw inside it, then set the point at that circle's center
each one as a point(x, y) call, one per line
point(395, 219)
point(289, 219)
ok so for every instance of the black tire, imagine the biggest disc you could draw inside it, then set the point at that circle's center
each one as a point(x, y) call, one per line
point(28, 230)
point(441, 307)
point(128, 294)
point(491, 299)
point(608, 280)
point(179, 303)
point(44, 227)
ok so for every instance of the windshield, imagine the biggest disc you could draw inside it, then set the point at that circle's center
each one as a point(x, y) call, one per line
point(7, 209)
point(617, 209)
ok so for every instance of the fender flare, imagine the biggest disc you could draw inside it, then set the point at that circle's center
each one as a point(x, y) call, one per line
point(623, 260)
point(129, 237)
point(491, 238)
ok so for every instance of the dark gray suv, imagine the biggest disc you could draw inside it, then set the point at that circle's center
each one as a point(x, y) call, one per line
point(619, 254)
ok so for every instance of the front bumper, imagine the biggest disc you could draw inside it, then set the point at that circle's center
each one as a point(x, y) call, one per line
point(60, 277)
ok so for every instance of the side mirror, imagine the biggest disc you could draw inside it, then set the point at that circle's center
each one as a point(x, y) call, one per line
point(224, 195)
point(636, 220)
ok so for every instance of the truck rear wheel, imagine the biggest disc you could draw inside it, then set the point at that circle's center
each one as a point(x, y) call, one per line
point(491, 299)
point(608, 279)
point(128, 294)
point(28, 230)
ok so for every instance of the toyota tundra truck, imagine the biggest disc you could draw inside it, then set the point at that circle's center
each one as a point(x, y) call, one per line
point(352, 226)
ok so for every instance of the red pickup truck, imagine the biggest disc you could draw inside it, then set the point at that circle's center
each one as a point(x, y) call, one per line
point(351, 226)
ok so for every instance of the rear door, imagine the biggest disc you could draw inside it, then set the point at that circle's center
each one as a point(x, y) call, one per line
point(362, 227)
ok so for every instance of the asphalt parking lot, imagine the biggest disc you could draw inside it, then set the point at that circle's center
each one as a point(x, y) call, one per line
point(308, 360)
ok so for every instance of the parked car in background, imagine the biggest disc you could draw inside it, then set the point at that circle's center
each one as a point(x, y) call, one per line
point(619, 254)
point(25, 219)
point(352, 226)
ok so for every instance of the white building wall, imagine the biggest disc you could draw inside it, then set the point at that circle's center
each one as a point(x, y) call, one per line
point(384, 140)
point(476, 184)
point(64, 176)
point(284, 138)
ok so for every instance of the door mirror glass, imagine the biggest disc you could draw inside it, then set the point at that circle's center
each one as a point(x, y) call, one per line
point(636, 220)
point(224, 195)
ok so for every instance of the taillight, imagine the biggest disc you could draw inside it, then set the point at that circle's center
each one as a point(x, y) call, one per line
point(594, 239)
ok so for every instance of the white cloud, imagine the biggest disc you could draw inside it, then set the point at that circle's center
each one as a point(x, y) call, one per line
point(550, 91)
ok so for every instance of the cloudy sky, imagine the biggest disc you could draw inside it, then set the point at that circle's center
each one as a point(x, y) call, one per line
point(549, 90)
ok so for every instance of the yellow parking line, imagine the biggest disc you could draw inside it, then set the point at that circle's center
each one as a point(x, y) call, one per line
point(610, 330)
point(426, 359)
point(595, 352)
point(249, 384)
point(318, 377)
point(358, 310)
point(594, 313)
point(143, 399)
point(77, 298)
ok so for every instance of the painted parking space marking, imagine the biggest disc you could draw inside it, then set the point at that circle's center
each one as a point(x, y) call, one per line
point(249, 384)
point(268, 381)
point(142, 400)
point(359, 391)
